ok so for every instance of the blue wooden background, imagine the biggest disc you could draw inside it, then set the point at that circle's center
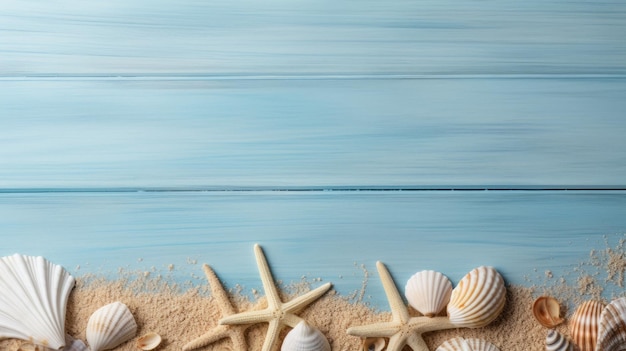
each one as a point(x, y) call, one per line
point(140, 134)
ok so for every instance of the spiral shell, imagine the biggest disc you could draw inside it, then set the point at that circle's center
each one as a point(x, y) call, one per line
point(478, 299)
point(304, 337)
point(471, 344)
point(110, 326)
point(428, 292)
point(612, 329)
point(555, 341)
point(584, 324)
point(547, 311)
point(373, 344)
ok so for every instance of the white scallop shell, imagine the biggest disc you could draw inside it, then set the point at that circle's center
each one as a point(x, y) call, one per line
point(471, 344)
point(33, 300)
point(584, 323)
point(110, 326)
point(612, 329)
point(305, 338)
point(478, 299)
point(555, 341)
point(428, 292)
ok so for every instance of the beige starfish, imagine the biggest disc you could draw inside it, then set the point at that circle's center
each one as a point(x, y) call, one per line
point(402, 329)
point(234, 332)
point(277, 313)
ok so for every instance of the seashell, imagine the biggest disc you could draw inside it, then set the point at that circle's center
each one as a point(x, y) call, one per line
point(110, 326)
point(478, 299)
point(428, 292)
point(33, 300)
point(547, 311)
point(555, 341)
point(471, 344)
point(612, 329)
point(71, 344)
point(584, 324)
point(304, 337)
point(373, 344)
point(149, 341)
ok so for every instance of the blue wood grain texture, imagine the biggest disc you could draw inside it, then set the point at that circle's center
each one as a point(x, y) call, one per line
point(109, 97)
point(314, 234)
point(312, 37)
point(292, 132)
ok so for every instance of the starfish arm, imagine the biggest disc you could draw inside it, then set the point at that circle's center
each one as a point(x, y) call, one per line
point(416, 342)
point(218, 292)
point(249, 317)
point(273, 299)
point(399, 311)
point(220, 332)
point(397, 342)
point(271, 338)
point(383, 329)
point(301, 302)
point(239, 340)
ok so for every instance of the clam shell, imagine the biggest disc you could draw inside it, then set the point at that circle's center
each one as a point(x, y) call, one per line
point(304, 337)
point(547, 311)
point(149, 341)
point(33, 300)
point(110, 326)
point(584, 324)
point(478, 299)
point(373, 344)
point(471, 344)
point(612, 329)
point(428, 292)
point(555, 341)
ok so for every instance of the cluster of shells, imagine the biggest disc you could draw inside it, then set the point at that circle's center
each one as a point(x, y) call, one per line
point(33, 300)
point(593, 326)
point(476, 301)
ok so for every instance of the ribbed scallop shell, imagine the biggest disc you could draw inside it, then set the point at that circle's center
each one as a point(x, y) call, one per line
point(555, 341)
point(428, 292)
point(305, 338)
point(584, 324)
point(612, 329)
point(471, 344)
point(478, 299)
point(110, 326)
point(33, 300)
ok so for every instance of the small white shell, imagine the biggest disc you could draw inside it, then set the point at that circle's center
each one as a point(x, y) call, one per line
point(305, 338)
point(71, 344)
point(478, 299)
point(110, 326)
point(373, 344)
point(471, 344)
point(149, 341)
point(33, 300)
point(428, 292)
point(612, 330)
point(555, 341)
point(584, 324)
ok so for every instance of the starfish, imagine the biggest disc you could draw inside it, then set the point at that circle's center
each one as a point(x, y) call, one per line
point(234, 332)
point(277, 313)
point(402, 329)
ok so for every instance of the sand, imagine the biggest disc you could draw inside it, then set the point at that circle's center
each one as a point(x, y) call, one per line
point(181, 314)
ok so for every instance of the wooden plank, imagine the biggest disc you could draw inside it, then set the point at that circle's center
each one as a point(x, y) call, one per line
point(312, 133)
point(320, 37)
point(315, 234)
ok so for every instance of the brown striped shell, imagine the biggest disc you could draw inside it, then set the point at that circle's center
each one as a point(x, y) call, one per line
point(556, 341)
point(584, 324)
point(478, 299)
point(612, 330)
